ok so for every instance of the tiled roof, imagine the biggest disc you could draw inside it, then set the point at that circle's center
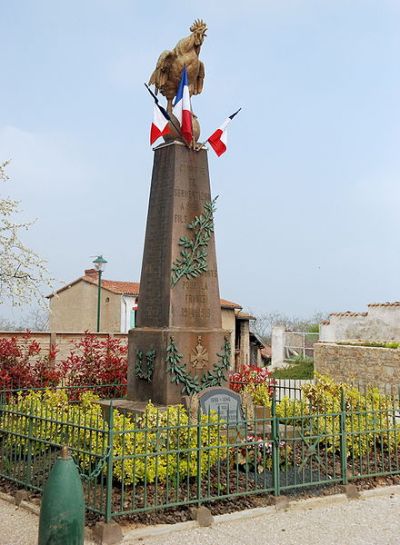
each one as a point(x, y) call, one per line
point(266, 352)
point(229, 304)
point(240, 315)
point(126, 288)
point(348, 313)
point(123, 288)
point(393, 304)
point(325, 322)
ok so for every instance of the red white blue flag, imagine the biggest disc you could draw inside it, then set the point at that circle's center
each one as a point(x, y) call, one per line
point(219, 139)
point(182, 110)
point(159, 127)
point(161, 117)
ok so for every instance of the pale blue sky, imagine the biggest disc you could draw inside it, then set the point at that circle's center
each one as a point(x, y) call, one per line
point(309, 209)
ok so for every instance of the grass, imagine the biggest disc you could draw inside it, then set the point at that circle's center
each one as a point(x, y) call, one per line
point(371, 344)
point(300, 368)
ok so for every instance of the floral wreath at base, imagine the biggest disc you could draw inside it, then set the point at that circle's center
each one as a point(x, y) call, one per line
point(145, 373)
point(193, 384)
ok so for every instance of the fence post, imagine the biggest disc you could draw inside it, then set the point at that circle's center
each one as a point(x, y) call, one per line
point(110, 461)
point(275, 447)
point(29, 453)
point(343, 437)
point(198, 482)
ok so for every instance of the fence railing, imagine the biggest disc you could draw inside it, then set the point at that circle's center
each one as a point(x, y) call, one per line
point(299, 343)
point(278, 388)
point(135, 463)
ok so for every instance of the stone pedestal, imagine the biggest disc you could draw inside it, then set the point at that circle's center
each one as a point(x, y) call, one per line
point(178, 346)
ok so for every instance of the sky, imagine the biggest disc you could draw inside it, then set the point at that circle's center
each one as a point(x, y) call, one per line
point(309, 195)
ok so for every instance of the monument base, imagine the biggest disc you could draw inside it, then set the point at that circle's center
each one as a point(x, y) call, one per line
point(165, 364)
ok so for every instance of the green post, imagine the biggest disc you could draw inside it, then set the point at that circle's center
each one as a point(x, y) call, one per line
point(62, 511)
point(99, 263)
point(98, 301)
point(199, 446)
point(343, 437)
point(110, 462)
point(275, 448)
point(29, 456)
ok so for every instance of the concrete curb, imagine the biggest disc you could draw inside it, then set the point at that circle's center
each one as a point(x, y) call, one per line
point(24, 504)
point(248, 514)
point(35, 510)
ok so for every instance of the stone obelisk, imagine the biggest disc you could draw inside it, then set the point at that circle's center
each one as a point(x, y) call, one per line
point(178, 347)
point(179, 338)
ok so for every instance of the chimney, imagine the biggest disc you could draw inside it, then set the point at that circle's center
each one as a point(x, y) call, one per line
point(91, 272)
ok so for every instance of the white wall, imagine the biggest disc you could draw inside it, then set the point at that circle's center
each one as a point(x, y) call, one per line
point(278, 347)
point(127, 302)
point(380, 323)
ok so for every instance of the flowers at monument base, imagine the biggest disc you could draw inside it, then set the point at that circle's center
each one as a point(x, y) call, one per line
point(256, 453)
point(182, 109)
point(219, 139)
point(250, 374)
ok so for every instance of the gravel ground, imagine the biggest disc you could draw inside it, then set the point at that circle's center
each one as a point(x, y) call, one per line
point(373, 520)
point(19, 526)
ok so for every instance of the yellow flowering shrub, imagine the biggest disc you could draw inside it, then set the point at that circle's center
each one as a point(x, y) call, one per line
point(163, 445)
point(53, 422)
point(157, 446)
point(370, 416)
point(259, 392)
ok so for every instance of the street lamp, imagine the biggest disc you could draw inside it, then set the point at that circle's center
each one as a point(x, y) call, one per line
point(99, 264)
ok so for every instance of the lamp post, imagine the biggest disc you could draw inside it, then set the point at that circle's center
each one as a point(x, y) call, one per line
point(99, 264)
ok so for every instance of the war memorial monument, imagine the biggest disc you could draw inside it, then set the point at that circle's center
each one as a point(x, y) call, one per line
point(179, 347)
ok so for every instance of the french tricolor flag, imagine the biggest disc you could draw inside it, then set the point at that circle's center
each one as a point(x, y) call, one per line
point(159, 126)
point(182, 110)
point(219, 139)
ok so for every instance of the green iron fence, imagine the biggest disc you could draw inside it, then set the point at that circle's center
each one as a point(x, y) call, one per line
point(137, 463)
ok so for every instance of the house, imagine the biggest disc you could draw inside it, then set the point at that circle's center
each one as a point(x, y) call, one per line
point(73, 308)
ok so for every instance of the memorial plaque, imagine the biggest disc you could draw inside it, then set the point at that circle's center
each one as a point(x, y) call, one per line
point(225, 402)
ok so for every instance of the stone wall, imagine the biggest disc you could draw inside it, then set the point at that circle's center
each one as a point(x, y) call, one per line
point(359, 364)
point(63, 341)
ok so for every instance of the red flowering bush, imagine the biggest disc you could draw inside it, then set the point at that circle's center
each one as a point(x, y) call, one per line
point(250, 374)
point(22, 365)
point(94, 362)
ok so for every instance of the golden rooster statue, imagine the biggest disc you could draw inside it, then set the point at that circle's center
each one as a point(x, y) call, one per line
point(167, 75)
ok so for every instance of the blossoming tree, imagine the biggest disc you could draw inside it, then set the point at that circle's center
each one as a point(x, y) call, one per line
point(23, 273)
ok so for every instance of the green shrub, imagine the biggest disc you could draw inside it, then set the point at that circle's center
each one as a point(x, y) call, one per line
point(370, 418)
point(163, 445)
point(160, 445)
point(49, 418)
point(260, 393)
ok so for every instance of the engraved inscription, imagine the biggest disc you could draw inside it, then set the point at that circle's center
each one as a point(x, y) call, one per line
point(192, 195)
point(178, 218)
point(200, 313)
point(196, 299)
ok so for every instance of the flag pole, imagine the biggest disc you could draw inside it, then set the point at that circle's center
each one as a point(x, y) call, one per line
point(166, 114)
point(229, 117)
